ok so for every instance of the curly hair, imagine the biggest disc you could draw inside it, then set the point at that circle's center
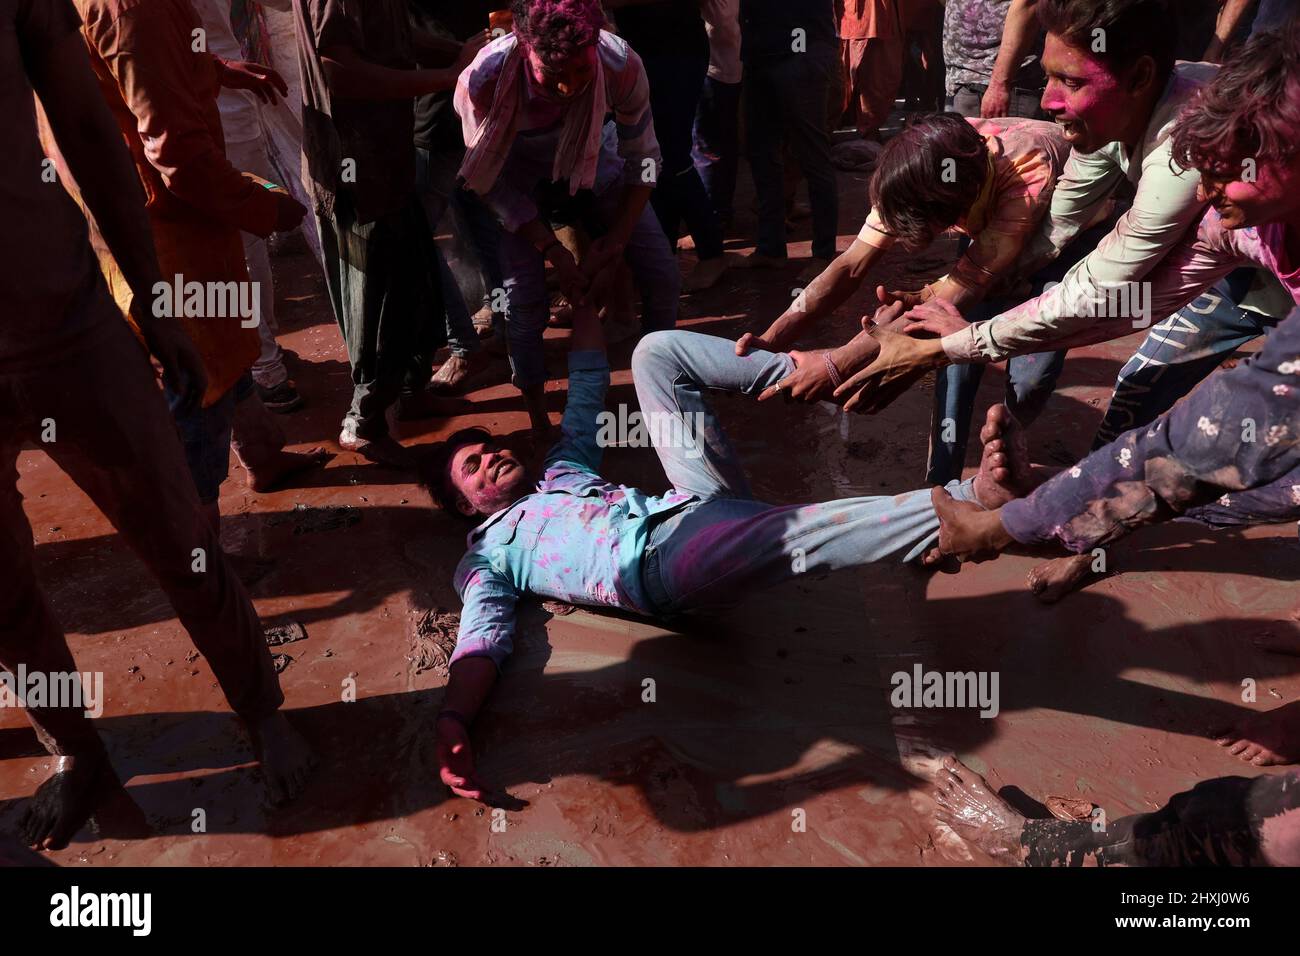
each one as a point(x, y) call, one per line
point(1131, 29)
point(557, 30)
point(910, 189)
point(1250, 110)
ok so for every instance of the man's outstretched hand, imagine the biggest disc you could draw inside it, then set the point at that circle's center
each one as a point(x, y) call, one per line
point(171, 345)
point(456, 759)
point(902, 362)
point(263, 81)
point(937, 317)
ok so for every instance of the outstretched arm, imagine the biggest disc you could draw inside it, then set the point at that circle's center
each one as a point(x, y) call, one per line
point(836, 284)
point(486, 638)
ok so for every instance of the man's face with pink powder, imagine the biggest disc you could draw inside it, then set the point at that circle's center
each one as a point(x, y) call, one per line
point(564, 79)
point(1259, 193)
point(1093, 105)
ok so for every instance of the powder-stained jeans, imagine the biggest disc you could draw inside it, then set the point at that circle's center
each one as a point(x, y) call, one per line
point(114, 437)
point(717, 144)
point(1227, 821)
point(1227, 454)
point(1176, 354)
point(648, 254)
point(726, 546)
point(383, 287)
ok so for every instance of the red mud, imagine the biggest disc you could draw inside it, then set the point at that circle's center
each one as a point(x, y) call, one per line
point(780, 707)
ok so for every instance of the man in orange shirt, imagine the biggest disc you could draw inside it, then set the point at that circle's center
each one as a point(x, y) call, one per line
point(161, 86)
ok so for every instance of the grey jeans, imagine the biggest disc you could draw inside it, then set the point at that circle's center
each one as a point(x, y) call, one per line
point(714, 552)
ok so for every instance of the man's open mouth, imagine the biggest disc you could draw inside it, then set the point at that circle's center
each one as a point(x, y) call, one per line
point(500, 466)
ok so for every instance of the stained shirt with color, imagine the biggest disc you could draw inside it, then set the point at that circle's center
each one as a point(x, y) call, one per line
point(577, 538)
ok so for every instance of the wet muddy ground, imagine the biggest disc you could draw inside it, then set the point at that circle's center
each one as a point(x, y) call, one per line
point(771, 739)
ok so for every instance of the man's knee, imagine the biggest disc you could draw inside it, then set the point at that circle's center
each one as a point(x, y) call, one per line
point(657, 355)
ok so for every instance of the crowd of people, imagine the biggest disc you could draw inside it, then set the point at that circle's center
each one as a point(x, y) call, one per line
point(1102, 172)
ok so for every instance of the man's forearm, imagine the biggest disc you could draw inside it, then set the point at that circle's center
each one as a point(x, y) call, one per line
point(834, 286)
point(1230, 16)
point(635, 198)
point(1018, 35)
point(351, 77)
point(471, 680)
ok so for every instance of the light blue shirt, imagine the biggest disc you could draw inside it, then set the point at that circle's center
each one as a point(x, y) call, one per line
point(578, 538)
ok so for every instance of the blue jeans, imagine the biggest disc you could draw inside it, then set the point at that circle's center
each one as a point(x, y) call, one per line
point(1031, 379)
point(717, 144)
point(785, 102)
point(1272, 15)
point(205, 437)
point(1180, 351)
point(727, 545)
point(648, 254)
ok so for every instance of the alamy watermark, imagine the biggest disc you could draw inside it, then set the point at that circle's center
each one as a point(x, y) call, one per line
point(208, 300)
point(55, 689)
point(957, 689)
point(1120, 300)
point(624, 429)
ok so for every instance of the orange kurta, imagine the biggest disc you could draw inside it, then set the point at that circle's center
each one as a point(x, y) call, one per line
point(163, 94)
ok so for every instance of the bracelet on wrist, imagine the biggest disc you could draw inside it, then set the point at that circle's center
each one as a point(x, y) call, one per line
point(834, 372)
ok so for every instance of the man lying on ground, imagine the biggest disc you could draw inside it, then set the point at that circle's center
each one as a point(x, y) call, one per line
point(576, 537)
point(1228, 821)
point(1001, 174)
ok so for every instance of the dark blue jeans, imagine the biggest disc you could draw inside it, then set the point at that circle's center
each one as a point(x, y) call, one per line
point(785, 102)
point(717, 144)
point(205, 436)
point(1179, 352)
point(1031, 379)
point(676, 83)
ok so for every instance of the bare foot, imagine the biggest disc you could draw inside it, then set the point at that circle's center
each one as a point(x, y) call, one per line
point(756, 260)
point(452, 375)
point(283, 465)
point(286, 759)
point(384, 451)
point(1054, 579)
point(1269, 739)
point(706, 274)
point(975, 813)
point(64, 803)
point(1004, 464)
